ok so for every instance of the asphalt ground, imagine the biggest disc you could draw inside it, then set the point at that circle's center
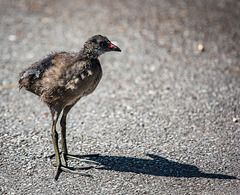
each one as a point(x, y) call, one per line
point(165, 116)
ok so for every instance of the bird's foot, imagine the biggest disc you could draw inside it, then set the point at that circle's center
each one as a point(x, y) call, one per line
point(80, 158)
point(67, 169)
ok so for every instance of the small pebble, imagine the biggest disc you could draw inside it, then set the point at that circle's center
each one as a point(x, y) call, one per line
point(119, 86)
point(12, 37)
point(235, 120)
point(45, 20)
point(200, 47)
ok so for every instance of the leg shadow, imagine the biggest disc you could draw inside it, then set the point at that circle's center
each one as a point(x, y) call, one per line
point(157, 166)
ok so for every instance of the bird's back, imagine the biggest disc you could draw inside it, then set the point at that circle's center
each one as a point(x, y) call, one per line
point(62, 78)
point(30, 76)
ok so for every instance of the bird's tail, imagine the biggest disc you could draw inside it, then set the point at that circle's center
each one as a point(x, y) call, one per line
point(25, 77)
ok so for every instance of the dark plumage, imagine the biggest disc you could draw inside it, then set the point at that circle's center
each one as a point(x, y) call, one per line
point(60, 80)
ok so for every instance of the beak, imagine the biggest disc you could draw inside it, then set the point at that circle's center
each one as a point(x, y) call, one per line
point(112, 47)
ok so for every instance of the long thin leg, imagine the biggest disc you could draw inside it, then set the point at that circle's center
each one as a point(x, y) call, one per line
point(55, 114)
point(65, 153)
point(63, 132)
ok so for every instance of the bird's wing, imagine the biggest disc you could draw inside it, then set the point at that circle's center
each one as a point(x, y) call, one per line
point(38, 68)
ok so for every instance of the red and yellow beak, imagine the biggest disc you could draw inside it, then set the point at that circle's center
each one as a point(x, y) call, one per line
point(112, 47)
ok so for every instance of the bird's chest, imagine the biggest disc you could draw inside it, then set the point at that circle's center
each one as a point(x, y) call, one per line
point(84, 82)
point(88, 80)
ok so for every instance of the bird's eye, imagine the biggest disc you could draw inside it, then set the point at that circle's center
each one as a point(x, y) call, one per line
point(102, 43)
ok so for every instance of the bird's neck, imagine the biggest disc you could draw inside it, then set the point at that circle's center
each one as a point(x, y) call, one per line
point(86, 53)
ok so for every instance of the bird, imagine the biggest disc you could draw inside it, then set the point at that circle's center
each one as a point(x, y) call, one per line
point(61, 80)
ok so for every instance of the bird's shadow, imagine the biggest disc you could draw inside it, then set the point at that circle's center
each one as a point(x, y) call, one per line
point(157, 166)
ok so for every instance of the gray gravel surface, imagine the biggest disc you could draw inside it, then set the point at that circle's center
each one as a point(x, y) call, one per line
point(164, 118)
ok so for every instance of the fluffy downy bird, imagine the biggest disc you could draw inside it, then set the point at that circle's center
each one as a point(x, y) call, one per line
point(61, 80)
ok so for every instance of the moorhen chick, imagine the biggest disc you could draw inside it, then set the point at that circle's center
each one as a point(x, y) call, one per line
point(61, 80)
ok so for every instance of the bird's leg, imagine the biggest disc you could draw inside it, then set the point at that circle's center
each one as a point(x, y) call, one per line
point(65, 154)
point(56, 149)
point(63, 138)
point(55, 114)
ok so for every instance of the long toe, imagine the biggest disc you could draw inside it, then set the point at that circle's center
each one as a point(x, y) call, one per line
point(72, 170)
point(80, 158)
point(58, 172)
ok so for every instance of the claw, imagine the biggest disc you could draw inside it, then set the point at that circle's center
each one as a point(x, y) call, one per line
point(61, 168)
point(50, 156)
point(58, 171)
point(64, 166)
point(69, 170)
point(76, 157)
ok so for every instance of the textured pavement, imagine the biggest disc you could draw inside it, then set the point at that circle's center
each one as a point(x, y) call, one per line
point(165, 116)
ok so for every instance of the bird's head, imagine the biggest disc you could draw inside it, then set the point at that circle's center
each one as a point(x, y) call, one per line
point(98, 45)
